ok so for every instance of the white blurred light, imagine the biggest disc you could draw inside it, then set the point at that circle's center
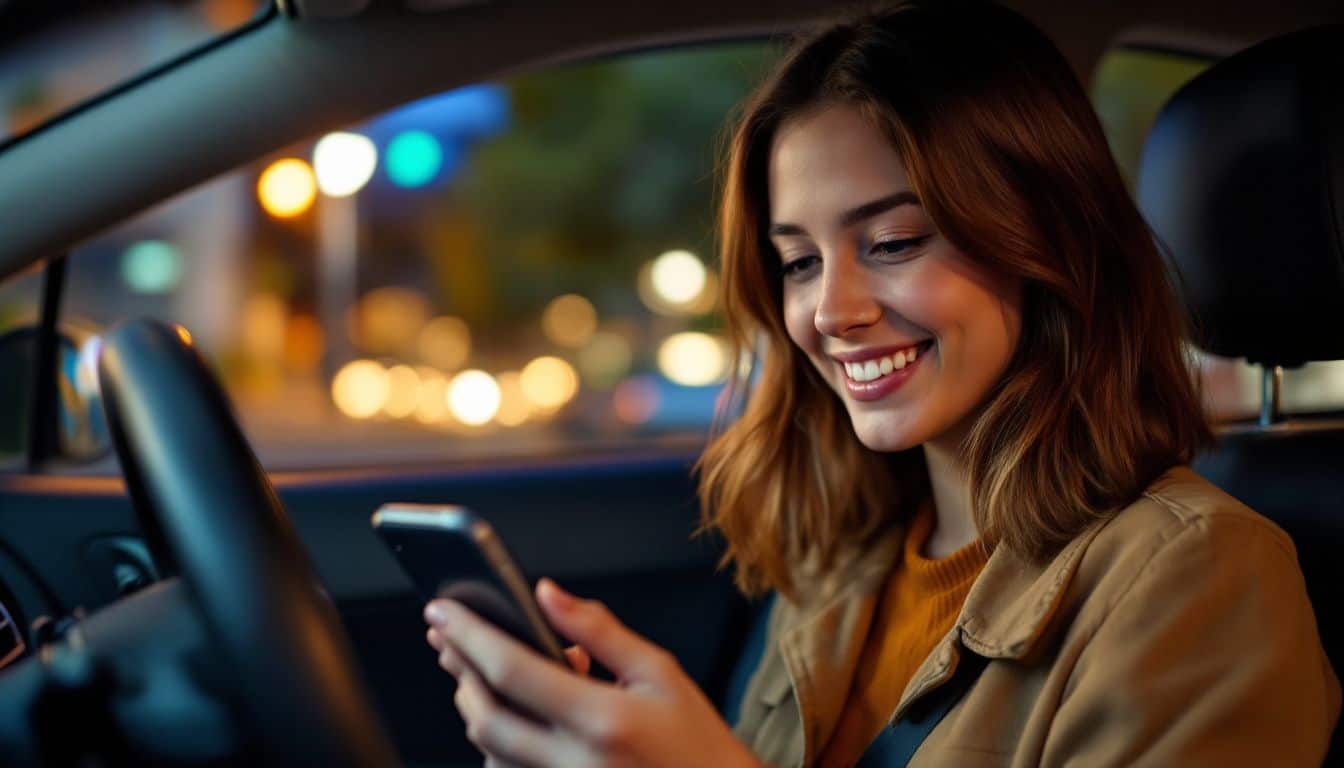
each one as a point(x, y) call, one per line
point(360, 388)
point(344, 163)
point(473, 397)
point(678, 277)
point(549, 382)
point(692, 359)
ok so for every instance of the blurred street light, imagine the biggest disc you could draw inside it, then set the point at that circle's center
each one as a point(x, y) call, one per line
point(549, 382)
point(360, 389)
point(692, 359)
point(569, 320)
point(473, 397)
point(287, 188)
point(514, 407)
point(413, 159)
point(344, 163)
point(444, 342)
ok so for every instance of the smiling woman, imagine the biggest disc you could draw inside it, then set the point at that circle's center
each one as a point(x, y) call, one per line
point(961, 464)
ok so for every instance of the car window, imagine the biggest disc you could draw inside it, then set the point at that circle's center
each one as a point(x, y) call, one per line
point(1129, 87)
point(510, 268)
point(20, 298)
point(54, 55)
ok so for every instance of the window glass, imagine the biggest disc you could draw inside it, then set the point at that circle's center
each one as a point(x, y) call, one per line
point(1129, 87)
point(519, 267)
point(54, 55)
point(20, 305)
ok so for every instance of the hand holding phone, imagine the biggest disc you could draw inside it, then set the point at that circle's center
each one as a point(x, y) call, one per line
point(448, 552)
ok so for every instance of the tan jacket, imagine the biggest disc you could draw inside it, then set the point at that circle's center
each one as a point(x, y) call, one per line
point(1178, 632)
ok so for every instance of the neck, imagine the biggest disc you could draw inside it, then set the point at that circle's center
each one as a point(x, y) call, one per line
point(949, 482)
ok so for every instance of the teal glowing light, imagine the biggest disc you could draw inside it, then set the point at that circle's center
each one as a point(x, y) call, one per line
point(413, 158)
point(151, 266)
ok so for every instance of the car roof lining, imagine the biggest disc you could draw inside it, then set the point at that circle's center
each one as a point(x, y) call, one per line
point(284, 80)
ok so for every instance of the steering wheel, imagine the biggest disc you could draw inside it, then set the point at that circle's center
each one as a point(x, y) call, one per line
point(213, 519)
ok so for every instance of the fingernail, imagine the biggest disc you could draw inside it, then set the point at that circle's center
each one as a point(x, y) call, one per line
point(560, 596)
point(435, 614)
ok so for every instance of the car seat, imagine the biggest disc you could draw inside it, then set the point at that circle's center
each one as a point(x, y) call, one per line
point(1242, 181)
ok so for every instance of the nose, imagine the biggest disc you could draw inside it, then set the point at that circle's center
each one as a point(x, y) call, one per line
point(846, 303)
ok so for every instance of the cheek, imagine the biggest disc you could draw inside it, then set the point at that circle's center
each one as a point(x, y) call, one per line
point(799, 314)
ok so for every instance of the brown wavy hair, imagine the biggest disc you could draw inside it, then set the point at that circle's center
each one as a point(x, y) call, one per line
point(1006, 155)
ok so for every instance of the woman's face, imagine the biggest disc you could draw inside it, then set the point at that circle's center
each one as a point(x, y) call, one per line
point(908, 331)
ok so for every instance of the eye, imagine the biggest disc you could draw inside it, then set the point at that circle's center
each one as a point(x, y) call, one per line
point(801, 267)
point(898, 250)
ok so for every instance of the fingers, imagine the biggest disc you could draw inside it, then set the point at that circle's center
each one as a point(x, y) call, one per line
point(517, 672)
point(579, 659)
point(590, 624)
point(506, 738)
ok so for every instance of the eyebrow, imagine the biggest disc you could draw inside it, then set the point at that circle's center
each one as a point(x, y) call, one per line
point(854, 215)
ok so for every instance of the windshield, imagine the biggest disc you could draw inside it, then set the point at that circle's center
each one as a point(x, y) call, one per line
point(55, 54)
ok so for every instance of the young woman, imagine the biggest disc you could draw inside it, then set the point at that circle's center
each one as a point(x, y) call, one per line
point(965, 449)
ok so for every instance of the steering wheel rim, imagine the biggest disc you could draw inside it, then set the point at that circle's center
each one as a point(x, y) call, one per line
point(211, 515)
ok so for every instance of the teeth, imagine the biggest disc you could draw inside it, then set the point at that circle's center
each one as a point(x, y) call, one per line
point(869, 370)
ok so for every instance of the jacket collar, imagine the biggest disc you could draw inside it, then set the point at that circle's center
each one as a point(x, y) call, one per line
point(1011, 606)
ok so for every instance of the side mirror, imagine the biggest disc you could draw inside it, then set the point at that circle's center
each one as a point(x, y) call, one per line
point(80, 428)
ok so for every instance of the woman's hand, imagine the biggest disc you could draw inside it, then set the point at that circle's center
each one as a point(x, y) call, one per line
point(653, 716)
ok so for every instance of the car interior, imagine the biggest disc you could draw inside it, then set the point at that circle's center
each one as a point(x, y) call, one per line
point(197, 603)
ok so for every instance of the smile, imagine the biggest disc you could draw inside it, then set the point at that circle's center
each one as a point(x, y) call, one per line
point(874, 376)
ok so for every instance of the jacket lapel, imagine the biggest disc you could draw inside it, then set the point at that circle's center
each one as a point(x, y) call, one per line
point(1011, 607)
point(821, 650)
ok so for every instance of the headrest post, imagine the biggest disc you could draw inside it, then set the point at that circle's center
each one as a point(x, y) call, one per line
point(1271, 386)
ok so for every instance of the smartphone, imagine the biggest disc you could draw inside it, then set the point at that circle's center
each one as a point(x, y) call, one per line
point(450, 552)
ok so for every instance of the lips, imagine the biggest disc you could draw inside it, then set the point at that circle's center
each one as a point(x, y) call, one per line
point(874, 374)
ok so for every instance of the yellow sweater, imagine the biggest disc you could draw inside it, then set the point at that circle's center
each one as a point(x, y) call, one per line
point(919, 604)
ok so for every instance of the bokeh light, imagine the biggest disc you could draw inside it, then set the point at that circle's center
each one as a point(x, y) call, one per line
point(414, 158)
point(389, 319)
point(569, 320)
point(678, 277)
point(263, 321)
point(677, 283)
point(692, 359)
point(635, 400)
point(514, 407)
point(360, 388)
point(444, 342)
point(305, 343)
point(344, 162)
point(403, 391)
point(605, 359)
point(549, 382)
point(287, 188)
point(431, 403)
point(151, 266)
point(473, 397)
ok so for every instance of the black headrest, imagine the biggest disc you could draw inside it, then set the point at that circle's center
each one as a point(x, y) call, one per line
point(1242, 180)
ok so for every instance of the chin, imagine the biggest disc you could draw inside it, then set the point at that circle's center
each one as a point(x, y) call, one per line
point(885, 432)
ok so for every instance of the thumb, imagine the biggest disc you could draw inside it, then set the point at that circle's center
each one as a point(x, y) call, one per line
point(579, 659)
point(590, 624)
